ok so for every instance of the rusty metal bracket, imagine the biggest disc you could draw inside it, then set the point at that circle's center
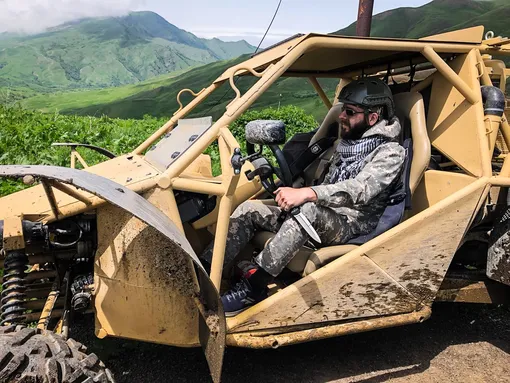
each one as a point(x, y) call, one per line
point(13, 238)
point(71, 192)
point(45, 317)
point(254, 340)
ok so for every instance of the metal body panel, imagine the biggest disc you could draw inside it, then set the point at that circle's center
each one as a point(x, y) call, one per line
point(213, 338)
point(144, 284)
point(418, 256)
point(175, 143)
point(456, 126)
point(472, 35)
point(435, 186)
point(12, 234)
point(130, 171)
point(396, 272)
point(358, 289)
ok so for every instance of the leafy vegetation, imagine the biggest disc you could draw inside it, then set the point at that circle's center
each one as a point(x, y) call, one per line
point(295, 119)
point(26, 136)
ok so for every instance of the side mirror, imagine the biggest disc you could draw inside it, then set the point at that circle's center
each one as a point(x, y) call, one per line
point(265, 132)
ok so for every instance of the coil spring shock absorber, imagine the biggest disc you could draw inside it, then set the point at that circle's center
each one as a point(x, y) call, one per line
point(13, 287)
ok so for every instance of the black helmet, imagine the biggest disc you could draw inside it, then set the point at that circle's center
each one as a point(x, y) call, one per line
point(368, 93)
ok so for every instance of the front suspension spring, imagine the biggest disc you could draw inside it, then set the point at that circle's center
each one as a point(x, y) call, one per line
point(13, 288)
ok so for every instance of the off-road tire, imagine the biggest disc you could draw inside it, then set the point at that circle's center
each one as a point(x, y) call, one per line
point(29, 355)
point(499, 241)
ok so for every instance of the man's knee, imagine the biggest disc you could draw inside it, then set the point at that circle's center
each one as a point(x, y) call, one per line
point(310, 210)
point(245, 208)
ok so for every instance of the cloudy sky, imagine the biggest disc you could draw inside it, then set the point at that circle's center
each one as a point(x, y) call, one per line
point(226, 19)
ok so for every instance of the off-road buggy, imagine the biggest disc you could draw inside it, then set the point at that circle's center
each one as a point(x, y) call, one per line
point(120, 239)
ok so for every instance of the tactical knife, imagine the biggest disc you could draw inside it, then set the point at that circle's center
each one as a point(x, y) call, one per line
point(305, 224)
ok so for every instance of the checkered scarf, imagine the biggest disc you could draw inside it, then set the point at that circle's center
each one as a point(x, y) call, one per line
point(351, 156)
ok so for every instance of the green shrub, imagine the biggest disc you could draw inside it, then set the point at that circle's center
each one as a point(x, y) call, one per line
point(296, 121)
point(26, 136)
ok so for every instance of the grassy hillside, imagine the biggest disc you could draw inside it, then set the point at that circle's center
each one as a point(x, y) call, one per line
point(108, 52)
point(436, 17)
point(57, 101)
point(495, 20)
point(161, 101)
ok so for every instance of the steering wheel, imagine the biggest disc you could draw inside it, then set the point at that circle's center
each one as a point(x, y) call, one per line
point(266, 175)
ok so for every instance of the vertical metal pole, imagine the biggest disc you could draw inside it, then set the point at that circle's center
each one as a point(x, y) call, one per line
point(366, 7)
point(320, 91)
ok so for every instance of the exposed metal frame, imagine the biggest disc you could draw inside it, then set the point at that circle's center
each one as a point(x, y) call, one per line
point(276, 340)
point(224, 187)
point(219, 131)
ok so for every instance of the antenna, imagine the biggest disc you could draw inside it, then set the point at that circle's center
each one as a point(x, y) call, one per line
point(260, 43)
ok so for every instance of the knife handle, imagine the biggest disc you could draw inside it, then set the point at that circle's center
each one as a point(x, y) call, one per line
point(295, 211)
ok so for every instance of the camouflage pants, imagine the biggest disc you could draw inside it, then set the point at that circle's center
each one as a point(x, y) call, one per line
point(251, 216)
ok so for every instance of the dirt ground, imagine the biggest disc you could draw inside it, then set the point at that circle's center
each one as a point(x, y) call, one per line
point(459, 343)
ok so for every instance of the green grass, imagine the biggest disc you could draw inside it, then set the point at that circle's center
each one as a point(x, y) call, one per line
point(58, 101)
point(161, 101)
point(26, 137)
point(429, 19)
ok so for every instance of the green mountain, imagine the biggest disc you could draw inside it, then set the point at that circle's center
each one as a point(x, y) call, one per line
point(161, 100)
point(435, 17)
point(106, 52)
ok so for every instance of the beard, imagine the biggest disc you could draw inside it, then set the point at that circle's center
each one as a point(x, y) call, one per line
point(352, 132)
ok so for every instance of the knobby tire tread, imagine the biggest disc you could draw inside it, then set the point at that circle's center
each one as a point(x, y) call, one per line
point(29, 355)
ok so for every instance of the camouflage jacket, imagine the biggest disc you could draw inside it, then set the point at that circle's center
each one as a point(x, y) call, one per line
point(362, 199)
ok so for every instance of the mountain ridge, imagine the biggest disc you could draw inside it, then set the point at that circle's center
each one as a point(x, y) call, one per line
point(432, 18)
point(160, 100)
point(104, 52)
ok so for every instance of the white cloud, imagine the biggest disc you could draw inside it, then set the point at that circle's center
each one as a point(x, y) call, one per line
point(32, 16)
point(255, 32)
point(251, 35)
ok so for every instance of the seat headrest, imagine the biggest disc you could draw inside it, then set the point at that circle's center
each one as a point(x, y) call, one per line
point(333, 116)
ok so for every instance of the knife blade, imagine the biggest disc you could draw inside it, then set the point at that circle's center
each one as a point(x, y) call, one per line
point(305, 224)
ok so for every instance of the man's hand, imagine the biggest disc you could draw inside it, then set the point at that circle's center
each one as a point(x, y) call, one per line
point(287, 198)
